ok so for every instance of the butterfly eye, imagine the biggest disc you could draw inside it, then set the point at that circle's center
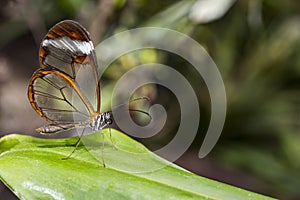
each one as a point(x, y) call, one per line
point(107, 116)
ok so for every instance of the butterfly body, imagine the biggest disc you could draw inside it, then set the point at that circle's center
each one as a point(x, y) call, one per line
point(101, 121)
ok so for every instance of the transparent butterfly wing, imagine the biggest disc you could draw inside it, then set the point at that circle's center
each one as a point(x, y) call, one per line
point(66, 89)
point(55, 98)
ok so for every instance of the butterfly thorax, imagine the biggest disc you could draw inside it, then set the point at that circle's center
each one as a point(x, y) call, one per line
point(101, 121)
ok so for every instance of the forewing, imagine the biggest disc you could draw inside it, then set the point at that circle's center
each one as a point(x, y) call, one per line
point(67, 47)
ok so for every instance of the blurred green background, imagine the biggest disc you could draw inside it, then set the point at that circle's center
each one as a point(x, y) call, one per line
point(255, 44)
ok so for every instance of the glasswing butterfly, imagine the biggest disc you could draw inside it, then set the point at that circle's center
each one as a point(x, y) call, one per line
point(65, 91)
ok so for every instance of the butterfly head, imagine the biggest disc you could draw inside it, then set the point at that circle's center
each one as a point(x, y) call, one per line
point(102, 121)
point(107, 118)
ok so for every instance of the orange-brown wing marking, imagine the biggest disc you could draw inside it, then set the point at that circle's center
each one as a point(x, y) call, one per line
point(69, 28)
point(66, 28)
point(57, 98)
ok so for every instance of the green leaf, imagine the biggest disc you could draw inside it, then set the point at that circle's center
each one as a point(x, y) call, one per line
point(33, 168)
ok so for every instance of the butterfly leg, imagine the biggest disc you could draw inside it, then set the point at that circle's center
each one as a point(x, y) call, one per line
point(112, 142)
point(76, 145)
point(103, 150)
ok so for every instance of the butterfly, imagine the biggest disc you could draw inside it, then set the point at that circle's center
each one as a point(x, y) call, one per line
point(65, 90)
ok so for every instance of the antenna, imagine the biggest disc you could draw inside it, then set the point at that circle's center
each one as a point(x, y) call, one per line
point(135, 110)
